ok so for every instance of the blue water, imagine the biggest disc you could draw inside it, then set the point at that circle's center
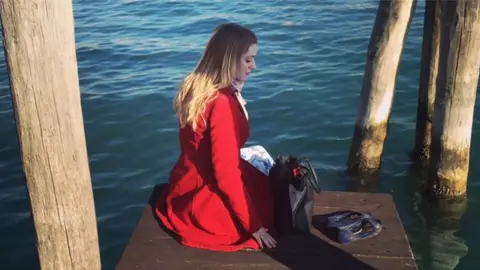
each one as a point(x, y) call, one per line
point(302, 99)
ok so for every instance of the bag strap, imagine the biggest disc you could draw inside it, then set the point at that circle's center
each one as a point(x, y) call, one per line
point(313, 180)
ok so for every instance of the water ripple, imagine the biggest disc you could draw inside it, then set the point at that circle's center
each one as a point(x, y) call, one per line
point(302, 100)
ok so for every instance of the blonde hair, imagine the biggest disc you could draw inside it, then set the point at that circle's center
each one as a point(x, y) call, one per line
point(215, 70)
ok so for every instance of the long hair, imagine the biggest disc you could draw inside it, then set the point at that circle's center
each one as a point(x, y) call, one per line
point(215, 70)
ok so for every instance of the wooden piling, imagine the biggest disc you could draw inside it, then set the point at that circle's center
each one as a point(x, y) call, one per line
point(455, 98)
point(41, 59)
point(383, 57)
point(428, 82)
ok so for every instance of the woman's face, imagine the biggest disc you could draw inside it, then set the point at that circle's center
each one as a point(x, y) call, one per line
point(247, 63)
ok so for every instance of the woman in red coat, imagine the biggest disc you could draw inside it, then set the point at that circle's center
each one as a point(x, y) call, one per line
point(216, 200)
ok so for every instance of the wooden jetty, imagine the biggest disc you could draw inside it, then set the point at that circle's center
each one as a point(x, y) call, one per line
point(151, 247)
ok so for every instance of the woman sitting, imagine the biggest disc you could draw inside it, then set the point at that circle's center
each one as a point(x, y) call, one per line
point(216, 200)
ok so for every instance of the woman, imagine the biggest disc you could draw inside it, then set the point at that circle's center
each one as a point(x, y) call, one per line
point(216, 200)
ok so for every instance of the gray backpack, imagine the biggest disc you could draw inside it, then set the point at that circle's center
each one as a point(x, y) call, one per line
point(293, 182)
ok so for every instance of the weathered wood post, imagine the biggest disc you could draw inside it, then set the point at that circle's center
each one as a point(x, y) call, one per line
point(428, 82)
point(41, 59)
point(455, 98)
point(383, 57)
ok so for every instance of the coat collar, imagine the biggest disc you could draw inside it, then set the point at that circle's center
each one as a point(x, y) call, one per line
point(233, 92)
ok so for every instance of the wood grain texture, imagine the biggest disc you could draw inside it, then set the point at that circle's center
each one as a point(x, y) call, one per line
point(457, 86)
point(428, 81)
point(152, 247)
point(41, 60)
point(384, 52)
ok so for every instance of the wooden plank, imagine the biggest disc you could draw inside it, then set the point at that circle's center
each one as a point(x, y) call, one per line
point(373, 202)
point(150, 247)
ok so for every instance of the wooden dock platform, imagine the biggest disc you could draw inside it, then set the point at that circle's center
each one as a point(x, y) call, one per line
point(150, 247)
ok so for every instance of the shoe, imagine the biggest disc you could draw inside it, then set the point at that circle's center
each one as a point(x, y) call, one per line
point(347, 219)
point(361, 229)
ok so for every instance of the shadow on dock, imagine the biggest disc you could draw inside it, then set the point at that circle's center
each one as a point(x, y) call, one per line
point(153, 247)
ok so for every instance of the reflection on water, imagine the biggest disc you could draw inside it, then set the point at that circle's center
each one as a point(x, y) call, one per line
point(366, 182)
point(442, 223)
point(437, 223)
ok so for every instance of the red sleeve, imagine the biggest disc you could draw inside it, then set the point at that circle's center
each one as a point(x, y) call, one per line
point(226, 163)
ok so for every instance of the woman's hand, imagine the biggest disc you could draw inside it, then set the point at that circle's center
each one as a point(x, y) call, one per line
point(263, 237)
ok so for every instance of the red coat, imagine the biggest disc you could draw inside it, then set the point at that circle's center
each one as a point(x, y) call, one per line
point(215, 200)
